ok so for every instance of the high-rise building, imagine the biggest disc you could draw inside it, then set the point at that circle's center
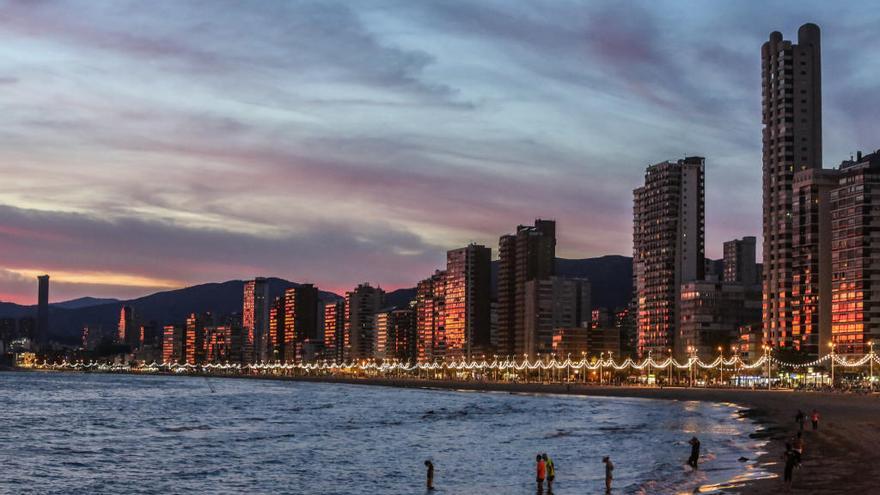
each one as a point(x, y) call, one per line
point(42, 331)
point(668, 248)
point(529, 254)
point(855, 255)
point(334, 325)
point(195, 346)
point(739, 261)
point(128, 331)
point(792, 141)
point(255, 320)
point(430, 317)
point(553, 303)
point(712, 313)
point(395, 336)
point(811, 260)
point(300, 320)
point(174, 344)
point(218, 343)
point(361, 306)
point(276, 329)
point(467, 297)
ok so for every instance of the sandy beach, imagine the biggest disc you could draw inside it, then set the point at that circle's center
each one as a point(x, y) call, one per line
point(840, 458)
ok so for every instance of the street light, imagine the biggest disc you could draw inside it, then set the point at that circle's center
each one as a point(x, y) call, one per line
point(871, 346)
point(670, 366)
point(767, 357)
point(721, 352)
point(831, 345)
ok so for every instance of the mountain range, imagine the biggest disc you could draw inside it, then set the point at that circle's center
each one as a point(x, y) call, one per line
point(611, 278)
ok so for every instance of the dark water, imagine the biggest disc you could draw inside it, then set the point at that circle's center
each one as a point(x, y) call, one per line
point(117, 434)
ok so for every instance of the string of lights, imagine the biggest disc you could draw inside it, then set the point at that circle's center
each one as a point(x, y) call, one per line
point(553, 364)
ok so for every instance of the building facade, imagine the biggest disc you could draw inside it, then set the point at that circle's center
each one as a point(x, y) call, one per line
point(128, 331)
point(361, 306)
point(300, 321)
point(855, 255)
point(527, 255)
point(740, 261)
point(431, 317)
point(668, 248)
point(174, 344)
point(255, 321)
point(712, 313)
point(41, 336)
point(553, 303)
point(792, 141)
point(811, 260)
point(334, 325)
point(396, 335)
point(467, 296)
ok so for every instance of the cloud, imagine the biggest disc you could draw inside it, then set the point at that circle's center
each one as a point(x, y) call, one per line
point(344, 142)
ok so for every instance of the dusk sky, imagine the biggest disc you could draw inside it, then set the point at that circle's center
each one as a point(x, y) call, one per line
point(154, 145)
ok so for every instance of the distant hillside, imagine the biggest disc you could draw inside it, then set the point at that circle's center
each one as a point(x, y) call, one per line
point(84, 302)
point(163, 307)
point(611, 278)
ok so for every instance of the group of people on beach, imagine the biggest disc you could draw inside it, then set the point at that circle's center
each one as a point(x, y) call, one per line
point(545, 469)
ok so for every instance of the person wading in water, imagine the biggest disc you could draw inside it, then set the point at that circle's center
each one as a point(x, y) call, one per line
point(609, 467)
point(430, 475)
point(695, 452)
point(541, 469)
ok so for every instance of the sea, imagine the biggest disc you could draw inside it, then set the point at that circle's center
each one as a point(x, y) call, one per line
point(80, 433)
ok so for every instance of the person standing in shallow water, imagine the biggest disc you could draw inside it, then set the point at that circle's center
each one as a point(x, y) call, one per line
point(799, 418)
point(694, 459)
point(609, 468)
point(541, 469)
point(815, 419)
point(430, 475)
point(551, 471)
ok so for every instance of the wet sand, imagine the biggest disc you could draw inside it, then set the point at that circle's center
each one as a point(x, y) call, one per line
point(842, 457)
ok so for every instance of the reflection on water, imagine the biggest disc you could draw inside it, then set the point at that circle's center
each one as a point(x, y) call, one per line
point(96, 434)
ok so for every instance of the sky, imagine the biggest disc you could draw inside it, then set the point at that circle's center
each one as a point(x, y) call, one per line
point(154, 145)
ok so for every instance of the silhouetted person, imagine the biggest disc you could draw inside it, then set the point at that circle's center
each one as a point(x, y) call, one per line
point(815, 419)
point(799, 418)
point(609, 468)
point(541, 471)
point(551, 471)
point(792, 458)
point(430, 475)
point(695, 452)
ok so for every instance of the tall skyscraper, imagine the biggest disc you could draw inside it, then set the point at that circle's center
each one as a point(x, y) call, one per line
point(855, 255)
point(528, 255)
point(42, 333)
point(361, 306)
point(811, 260)
point(467, 295)
point(255, 321)
point(431, 317)
point(668, 248)
point(300, 320)
point(792, 140)
point(128, 332)
point(739, 261)
point(334, 325)
point(276, 329)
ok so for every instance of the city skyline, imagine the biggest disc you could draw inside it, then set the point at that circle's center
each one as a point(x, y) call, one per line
point(318, 158)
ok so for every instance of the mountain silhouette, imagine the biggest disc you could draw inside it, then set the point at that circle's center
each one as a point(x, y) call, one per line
point(611, 278)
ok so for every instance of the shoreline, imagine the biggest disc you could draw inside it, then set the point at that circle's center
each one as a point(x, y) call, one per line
point(839, 458)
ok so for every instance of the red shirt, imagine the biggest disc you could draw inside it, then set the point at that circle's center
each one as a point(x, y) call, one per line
point(542, 470)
